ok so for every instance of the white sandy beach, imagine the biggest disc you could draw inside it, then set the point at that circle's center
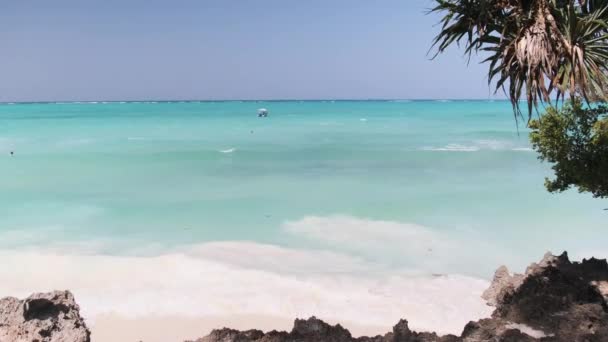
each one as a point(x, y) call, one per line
point(113, 328)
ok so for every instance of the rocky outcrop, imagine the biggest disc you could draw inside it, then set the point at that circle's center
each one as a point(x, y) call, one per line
point(503, 284)
point(42, 317)
point(555, 300)
point(313, 329)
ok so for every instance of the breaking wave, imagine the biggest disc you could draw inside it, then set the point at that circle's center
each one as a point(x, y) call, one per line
point(479, 145)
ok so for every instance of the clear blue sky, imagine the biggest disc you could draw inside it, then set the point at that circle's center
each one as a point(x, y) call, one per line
point(226, 49)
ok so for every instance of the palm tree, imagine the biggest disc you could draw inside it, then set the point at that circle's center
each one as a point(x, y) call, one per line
point(543, 49)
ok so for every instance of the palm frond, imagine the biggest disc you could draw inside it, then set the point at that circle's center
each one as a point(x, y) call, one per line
point(542, 49)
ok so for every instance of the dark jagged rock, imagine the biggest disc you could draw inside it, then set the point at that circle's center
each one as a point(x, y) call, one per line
point(233, 335)
point(503, 284)
point(319, 331)
point(312, 329)
point(554, 301)
point(559, 298)
point(315, 330)
point(42, 317)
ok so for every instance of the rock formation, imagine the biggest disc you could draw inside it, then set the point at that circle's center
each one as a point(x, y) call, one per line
point(316, 330)
point(554, 301)
point(42, 317)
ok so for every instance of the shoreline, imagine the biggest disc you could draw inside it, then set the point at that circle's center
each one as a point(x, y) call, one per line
point(174, 328)
point(218, 282)
point(555, 298)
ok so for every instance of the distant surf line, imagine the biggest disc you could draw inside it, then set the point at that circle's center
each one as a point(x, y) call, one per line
point(439, 100)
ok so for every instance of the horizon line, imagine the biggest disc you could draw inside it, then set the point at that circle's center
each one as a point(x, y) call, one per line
point(150, 101)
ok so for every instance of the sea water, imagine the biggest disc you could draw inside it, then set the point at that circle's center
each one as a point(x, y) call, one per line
point(343, 209)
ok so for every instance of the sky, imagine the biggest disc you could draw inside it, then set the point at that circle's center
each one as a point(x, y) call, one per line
point(71, 50)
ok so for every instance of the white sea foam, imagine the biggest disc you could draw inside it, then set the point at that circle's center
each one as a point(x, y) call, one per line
point(523, 149)
point(479, 145)
point(228, 150)
point(421, 249)
point(362, 233)
point(453, 148)
point(236, 278)
point(490, 144)
point(271, 258)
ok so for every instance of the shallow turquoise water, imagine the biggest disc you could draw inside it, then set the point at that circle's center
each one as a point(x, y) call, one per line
point(145, 178)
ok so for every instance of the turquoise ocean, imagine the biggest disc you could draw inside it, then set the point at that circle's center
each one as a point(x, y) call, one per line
point(324, 207)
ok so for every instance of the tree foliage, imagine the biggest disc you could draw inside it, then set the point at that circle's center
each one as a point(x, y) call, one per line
point(575, 140)
point(535, 48)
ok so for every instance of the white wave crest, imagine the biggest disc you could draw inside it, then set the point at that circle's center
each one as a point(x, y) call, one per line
point(479, 145)
point(361, 233)
point(419, 248)
point(228, 150)
point(453, 148)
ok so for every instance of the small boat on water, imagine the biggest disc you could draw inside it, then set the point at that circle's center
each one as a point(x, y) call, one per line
point(262, 112)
